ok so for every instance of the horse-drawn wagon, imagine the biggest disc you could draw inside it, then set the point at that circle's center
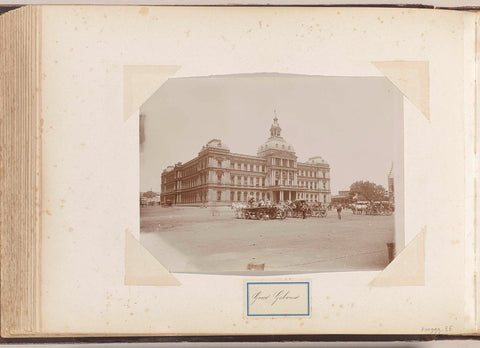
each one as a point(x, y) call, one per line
point(264, 213)
point(257, 211)
point(298, 209)
point(302, 209)
point(318, 210)
point(379, 208)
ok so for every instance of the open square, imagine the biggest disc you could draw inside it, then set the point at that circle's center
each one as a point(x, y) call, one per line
point(194, 239)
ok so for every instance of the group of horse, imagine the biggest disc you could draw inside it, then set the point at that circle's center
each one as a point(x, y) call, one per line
point(357, 209)
point(371, 208)
point(238, 209)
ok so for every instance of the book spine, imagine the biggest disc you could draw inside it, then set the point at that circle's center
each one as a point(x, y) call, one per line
point(476, 178)
point(20, 152)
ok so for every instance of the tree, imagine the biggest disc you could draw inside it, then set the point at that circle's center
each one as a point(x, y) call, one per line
point(368, 190)
point(150, 194)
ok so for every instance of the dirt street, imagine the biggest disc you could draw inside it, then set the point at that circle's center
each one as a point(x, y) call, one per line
point(212, 240)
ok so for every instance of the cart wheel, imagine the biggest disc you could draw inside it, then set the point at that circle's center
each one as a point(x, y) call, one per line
point(259, 215)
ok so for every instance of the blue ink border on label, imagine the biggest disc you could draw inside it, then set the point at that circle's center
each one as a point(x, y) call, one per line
point(278, 315)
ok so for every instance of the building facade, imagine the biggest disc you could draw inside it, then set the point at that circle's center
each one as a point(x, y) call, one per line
point(219, 176)
point(343, 198)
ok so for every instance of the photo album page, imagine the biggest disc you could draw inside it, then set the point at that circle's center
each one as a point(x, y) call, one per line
point(256, 170)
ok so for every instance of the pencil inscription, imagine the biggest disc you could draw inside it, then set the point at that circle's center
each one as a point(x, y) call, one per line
point(274, 297)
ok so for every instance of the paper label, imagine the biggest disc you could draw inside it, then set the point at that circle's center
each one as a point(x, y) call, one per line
point(277, 299)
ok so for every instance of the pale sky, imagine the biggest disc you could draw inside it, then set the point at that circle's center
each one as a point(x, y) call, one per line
point(346, 120)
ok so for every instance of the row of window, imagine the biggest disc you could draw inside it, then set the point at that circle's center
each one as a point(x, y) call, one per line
point(167, 178)
point(200, 180)
point(312, 173)
point(192, 197)
point(284, 174)
point(233, 165)
point(169, 187)
point(283, 182)
point(188, 171)
point(246, 180)
point(282, 162)
point(247, 166)
point(311, 185)
point(283, 147)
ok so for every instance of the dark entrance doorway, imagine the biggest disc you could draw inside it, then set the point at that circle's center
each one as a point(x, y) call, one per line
point(276, 196)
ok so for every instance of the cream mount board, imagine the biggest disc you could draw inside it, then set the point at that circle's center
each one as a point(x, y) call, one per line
point(96, 65)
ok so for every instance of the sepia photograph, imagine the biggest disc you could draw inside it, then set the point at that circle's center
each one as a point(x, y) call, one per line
point(271, 172)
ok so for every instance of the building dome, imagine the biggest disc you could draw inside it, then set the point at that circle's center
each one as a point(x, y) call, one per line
point(215, 143)
point(316, 160)
point(276, 141)
point(276, 144)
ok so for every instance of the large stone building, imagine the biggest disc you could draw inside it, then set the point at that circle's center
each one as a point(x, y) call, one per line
point(218, 176)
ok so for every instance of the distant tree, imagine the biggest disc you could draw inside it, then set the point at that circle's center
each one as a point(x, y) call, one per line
point(368, 190)
point(150, 194)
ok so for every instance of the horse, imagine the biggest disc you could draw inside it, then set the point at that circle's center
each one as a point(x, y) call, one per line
point(358, 209)
point(238, 209)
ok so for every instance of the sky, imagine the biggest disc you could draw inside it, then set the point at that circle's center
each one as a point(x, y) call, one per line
point(349, 121)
